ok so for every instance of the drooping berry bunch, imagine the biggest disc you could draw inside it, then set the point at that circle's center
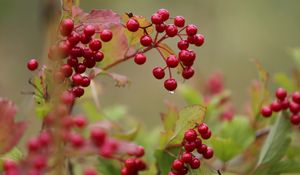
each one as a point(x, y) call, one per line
point(169, 27)
point(81, 49)
point(193, 148)
point(284, 102)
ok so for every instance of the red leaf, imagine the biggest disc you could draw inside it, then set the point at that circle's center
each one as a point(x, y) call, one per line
point(10, 131)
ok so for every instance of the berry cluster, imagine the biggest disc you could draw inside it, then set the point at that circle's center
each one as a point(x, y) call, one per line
point(82, 50)
point(132, 166)
point(176, 27)
point(284, 102)
point(189, 157)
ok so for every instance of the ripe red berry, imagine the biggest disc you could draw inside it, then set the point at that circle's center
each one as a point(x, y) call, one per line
point(79, 121)
point(98, 136)
point(189, 146)
point(39, 162)
point(84, 39)
point(190, 135)
point(160, 28)
point(156, 18)
point(98, 56)
point(130, 163)
point(67, 98)
point(281, 94)
point(140, 151)
point(33, 144)
point(198, 40)
point(66, 27)
point(89, 30)
point(106, 35)
point(172, 61)
point(74, 38)
point(296, 97)
point(90, 171)
point(170, 173)
point(198, 142)
point(179, 21)
point(266, 111)
point(202, 128)
point(64, 49)
point(89, 62)
point(184, 55)
point(191, 30)
point(80, 68)
point(76, 140)
point(95, 45)
point(183, 44)
point(132, 25)
point(276, 106)
point(72, 61)
point(67, 70)
point(294, 107)
point(177, 165)
point(146, 40)
point(285, 104)
point(9, 165)
point(77, 79)
point(140, 58)
point(44, 138)
point(87, 53)
point(195, 163)
point(209, 153)
point(32, 64)
point(295, 119)
point(186, 157)
point(171, 30)
point(202, 149)
point(78, 91)
point(164, 14)
point(170, 84)
point(188, 72)
point(140, 165)
point(206, 135)
point(76, 52)
point(85, 82)
point(158, 73)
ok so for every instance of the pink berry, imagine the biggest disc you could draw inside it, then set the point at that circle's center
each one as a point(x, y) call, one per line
point(296, 97)
point(77, 79)
point(98, 136)
point(79, 121)
point(276, 106)
point(89, 30)
point(67, 98)
point(266, 111)
point(32, 64)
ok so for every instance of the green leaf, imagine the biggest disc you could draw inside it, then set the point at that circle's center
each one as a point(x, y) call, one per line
point(285, 167)
point(285, 82)
point(115, 112)
point(190, 95)
point(164, 160)
point(91, 112)
point(276, 144)
point(107, 167)
point(188, 117)
point(225, 149)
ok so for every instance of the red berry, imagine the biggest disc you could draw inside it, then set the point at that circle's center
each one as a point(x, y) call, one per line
point(9, 165)
point(266, 111)
point(158, 73)
point(67, 98)
point(172, 61)
point(140, 58)
point(184, 55)
point(140, 151)
point(202, 149)
point(32, 64)
point(106, 35)
point(64, 49)
point(45, 138)
point(202, 128)
point(33, 144)
point(276, 106)
point(198, 40)
point(67, 70)
point(160, 28)
point(209, 153)
point(188, 72)
point(74, 38)
point(183, 44)
point(89, 30)
point(130, 163)
point(170, 173)
point(189, 146)
point(164, 14)
point(79, 121)
point(95, 45)
point(125, 171)
point(186, 157)
point(170, 84)
point(281, 94)
point(206, 135)
point(195, 163)
point(87, 53)
point(132, 25)
point(198, 142)
point(99, 56)
point(76, 52)
point(146, 40)
point(89, 62)
point(39, 162)
point(90, 171)
point(84, 39)
point(80, 68)
point(171, 30)
point(285, 104)
point(78, 91)
point(294, 107)
point(190, 135)
point(296, 97)
point(177, 165)
point(179, 21)
point(140, 165)
point(156, 18)
point(72, 61)
point(98, 136)
point(85, 82)
point(76, 140)
point(66, 27)
point(77, 79)
point(295, 119)
point(191, 30)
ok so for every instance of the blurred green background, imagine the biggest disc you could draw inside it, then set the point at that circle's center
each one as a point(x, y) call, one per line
point(236, 32)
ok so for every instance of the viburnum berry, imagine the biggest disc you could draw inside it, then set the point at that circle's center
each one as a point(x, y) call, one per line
point(294, 107)
point(89, 30)
point(32, 64)
point(206, 135)
point(189, 146)
point(98, 56)
point(73, 38)
point(172, 61)
point(140, 58)
point(209, 153)
point(276, 106)
point(87, 53)
point(295, 119)
point(179, 21)
point(67, 70)
point(89, 62)
point(76, 52)
point(95, 45)
point(77, 79)
point(106, 35)
point(98, 136)
point(160, 28)
point(186, 157)
point(190, 135)
point(132, 25)
point(78, 91)
point(202, 149)
point(195, 163)
point(164, 14)
point(188, 72)
point(84, 39)
point(9, 165)
point(80, 68)
point(266, 111)
point(67, 98)
point(191, 30)
point(85, 82)
point(45, 138)
point(79, 121)
point(198, 40)
point(64, 48)
point(33, 144)
point(177, 165)
point(183, 44)
point(66, 27)
point(170, 84)
point(156, 18)
point(202, 128)
point(158, 73)
point(296, 97)
point(76, 140)
point(146, 40)
point(72, 61)
point(171, 30)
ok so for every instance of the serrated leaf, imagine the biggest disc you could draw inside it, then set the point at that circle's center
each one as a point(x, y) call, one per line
point(191, 95)
point(188, 117)
point(164, 160)
point(276, 144)
point(282, 80)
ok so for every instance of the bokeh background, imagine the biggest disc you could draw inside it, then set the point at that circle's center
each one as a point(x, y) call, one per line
point(236, 32)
